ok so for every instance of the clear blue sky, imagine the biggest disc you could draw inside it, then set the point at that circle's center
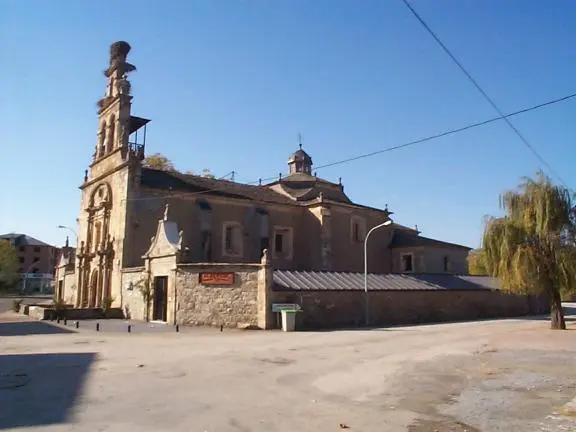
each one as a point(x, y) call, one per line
point(229, 84)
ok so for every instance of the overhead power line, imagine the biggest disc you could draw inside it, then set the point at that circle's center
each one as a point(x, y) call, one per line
point(483, 92)
point(385, 150)
point(449, 132)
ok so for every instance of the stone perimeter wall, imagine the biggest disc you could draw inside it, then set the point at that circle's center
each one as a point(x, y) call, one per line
point(326, 309)
point(214, 305)
point(248, 301)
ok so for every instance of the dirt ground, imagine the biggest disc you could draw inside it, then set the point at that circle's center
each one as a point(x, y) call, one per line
point(489, 376)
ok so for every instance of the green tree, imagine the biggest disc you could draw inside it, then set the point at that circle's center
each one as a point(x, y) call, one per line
point(159, 162)
point(532, 249)
point(208, 174)
point(8, 265)
point(477, 263)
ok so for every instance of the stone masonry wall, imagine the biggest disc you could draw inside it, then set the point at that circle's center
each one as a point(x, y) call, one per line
point(228, 305)
point(324, 309)
point(68, 287)
point(133, 304)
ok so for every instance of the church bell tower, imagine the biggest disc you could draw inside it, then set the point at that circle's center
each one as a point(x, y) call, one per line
point(110, 183)
point(115, 121)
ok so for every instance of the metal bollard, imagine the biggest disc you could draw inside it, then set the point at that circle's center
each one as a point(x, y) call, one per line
point(77, 324)
point(58, 320)
point(129, 328)
point(221, 327)
point(177, 328)
point(65, 321)
point(97, 326)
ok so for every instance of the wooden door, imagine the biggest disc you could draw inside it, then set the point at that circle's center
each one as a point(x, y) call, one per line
point(160, 299)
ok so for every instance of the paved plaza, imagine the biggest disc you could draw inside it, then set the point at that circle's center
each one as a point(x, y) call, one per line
point(501, 375)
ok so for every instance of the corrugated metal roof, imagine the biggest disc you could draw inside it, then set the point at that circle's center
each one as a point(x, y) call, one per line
point(334, 281)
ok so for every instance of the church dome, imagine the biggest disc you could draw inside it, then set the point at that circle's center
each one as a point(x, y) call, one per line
point(300, 161)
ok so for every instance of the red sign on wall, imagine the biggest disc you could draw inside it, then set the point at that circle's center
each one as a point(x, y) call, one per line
point(216, 278)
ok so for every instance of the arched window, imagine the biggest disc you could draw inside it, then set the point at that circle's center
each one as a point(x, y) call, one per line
point(111, 134)
point(101, 148)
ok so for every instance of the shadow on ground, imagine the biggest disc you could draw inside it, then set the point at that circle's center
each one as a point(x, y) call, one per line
point(40, 389)
point(24, 328)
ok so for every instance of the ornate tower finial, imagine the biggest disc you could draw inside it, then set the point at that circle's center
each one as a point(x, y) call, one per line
point(265, 260)
point(299, 141)
point(166, 208)
point(66, 244)
point(114, 107)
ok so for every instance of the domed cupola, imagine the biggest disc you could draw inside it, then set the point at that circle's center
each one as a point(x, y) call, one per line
point(300, 162)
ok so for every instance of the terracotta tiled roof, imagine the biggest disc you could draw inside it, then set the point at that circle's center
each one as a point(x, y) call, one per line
point(305, 187)
point(404, 238)
point(166, 180)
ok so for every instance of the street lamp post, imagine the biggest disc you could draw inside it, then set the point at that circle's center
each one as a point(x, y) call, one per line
point(366, 300)
point(26, 276)
point(71, 230)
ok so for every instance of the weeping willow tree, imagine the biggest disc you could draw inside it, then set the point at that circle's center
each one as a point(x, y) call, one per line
point(532, 249)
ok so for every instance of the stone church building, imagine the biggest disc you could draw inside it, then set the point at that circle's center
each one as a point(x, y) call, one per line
point(306, 223)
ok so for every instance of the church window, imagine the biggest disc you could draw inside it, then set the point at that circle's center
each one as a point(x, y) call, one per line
point(205, 222)
point(232, 239)
point(203, 205)
point(102, 143)
point(98, 234)
point(357, 229)
point(407, 262)
point(282, 242)
point(111, 134)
